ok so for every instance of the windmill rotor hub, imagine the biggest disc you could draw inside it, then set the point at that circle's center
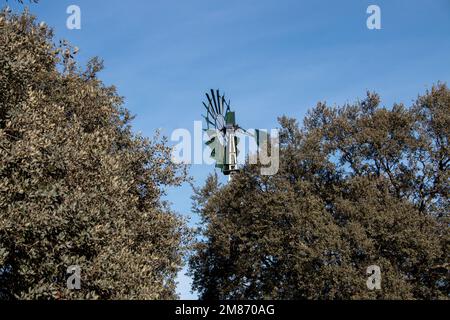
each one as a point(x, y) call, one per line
point(220, 121)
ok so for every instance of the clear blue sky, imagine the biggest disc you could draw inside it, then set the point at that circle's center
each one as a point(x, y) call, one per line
point(271, 57)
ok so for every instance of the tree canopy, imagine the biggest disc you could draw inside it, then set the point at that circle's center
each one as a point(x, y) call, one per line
point(358, 185)
point(77, 186)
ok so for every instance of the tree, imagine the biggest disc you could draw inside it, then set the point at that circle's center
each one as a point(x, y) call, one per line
point(358, 185)
point(77, 186)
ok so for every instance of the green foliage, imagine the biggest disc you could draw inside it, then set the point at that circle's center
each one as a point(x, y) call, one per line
point(358, 185)
point(77, 187)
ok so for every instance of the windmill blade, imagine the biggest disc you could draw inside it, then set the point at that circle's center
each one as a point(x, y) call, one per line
point(218, 101)
point(209, 111)
point(211, 105)
point(223, 103)
point(217, 148)
point(228, 106)
point(215, 102)
point(210, 142)
point(209, 121)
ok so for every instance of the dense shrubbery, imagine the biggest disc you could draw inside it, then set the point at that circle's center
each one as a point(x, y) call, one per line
point(77, 187)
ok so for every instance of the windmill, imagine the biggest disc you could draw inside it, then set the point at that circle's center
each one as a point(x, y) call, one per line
point(222, 131)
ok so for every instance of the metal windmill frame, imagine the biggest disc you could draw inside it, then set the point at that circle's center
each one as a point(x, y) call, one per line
point(222, 129)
